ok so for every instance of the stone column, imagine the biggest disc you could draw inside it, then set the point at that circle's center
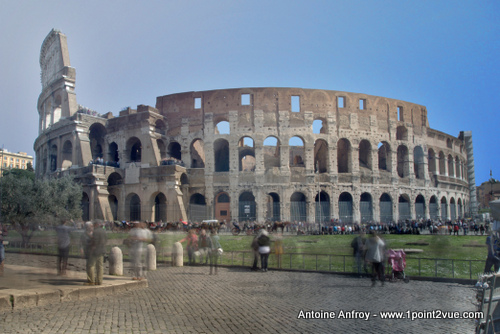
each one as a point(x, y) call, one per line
point(116, 262)
point(151, 257)
point(177, 255)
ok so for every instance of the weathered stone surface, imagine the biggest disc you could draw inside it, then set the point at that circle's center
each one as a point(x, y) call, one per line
point(116, 262)
point(177, 255)
point(282, 151)
point(151, 257)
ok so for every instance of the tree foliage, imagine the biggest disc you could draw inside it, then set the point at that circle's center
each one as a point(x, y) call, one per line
point(28, 203)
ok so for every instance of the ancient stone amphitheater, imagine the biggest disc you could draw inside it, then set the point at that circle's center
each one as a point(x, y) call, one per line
point(286, 154)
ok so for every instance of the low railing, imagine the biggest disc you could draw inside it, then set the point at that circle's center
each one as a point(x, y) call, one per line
point(421, 267)
point(416, 267)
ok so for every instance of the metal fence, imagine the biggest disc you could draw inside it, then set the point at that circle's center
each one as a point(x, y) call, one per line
point(421, 267)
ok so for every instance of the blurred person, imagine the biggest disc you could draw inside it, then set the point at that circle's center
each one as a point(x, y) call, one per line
point(139, 236)
point(358, 249)
point(255, 249)
point(204, 245)
point(63, 244)
point(264, 249)
point(3, 233)
point(492, 259)
point(96, 250)
point(85, 243)
point(278, 248)
point(375, 254)
point(215, 251)
point(192, 246)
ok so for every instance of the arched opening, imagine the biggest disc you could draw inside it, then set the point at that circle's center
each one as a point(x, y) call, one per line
point(223, 207)
point(134, 207)
point(221, 155)
point(85, 207)
point(113, 154)
point(386, 208)
point(404, 208)
point(401, 133)
point(134, 149)
point(442, 164)
point(366, 208)
point(67, 155)
point(198, 208)
point(160, 208)
point(444, 208)
point(160, 127)
point(319, 126)
point(433, 208)
point(114, 179)
point(345, 208)
point(271, 153)
point(174, 150)
point(420, 207)
point(365, 151)
point(184, 179)
point(431, 167)
point(320, 156)
point(458, 168)
point(222, 128)
point(53, 158)
point(453, 209)
point(418, 162)
point(273, 207)
point(322, 207)
point(297, 152)
point(298, 207)
point(403, 165)
point(197, 154)
point(96, 137)
point(460, 208)
point(451, 169)
point(113, 205)
point(247, 207)
point(384, 157)
point(246, 152)
point(343, 156)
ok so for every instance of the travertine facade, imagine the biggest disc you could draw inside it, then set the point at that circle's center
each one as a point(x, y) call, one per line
point(250, 153)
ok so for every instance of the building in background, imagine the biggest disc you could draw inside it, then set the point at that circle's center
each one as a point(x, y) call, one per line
point(287, 154)
point(488, 191)
point(11, 160)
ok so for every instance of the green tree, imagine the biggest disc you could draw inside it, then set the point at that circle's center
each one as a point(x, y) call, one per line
point(28, 203)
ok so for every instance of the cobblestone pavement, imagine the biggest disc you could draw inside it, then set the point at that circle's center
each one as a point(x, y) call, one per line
point(188, 300)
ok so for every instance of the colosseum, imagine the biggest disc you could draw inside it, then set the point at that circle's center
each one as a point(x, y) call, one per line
point(287, 154)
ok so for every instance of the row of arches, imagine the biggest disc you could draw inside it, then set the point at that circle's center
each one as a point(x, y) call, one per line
point(320, 207)
point(395, 160)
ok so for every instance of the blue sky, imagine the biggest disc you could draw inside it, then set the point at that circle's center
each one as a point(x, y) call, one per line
point(441, 54)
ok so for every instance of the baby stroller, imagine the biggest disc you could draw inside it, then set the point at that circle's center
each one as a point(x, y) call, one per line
point(397, 260)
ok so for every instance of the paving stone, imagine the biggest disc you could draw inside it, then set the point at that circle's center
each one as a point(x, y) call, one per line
point(188, 300)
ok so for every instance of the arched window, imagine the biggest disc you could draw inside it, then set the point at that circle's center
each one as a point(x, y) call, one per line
point(365, 151)
point(134, 149)
point(343, 155)
point(246, 151)
point(320, 156)
point(221, 155)
point(297, 152)
point(197, 154)
point(271, 153)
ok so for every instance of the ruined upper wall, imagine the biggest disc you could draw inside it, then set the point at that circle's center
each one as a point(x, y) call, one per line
point(54, 57)
point(297, 101)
